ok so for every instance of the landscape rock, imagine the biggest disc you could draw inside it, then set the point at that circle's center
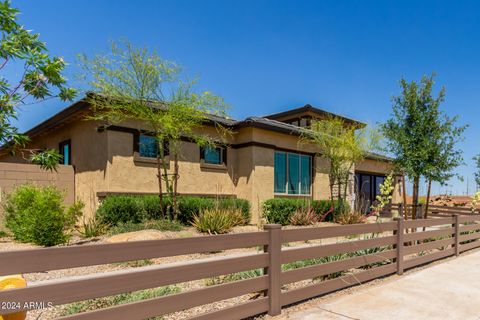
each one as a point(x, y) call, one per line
point(137, 236)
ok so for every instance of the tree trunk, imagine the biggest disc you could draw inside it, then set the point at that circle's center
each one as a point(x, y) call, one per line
point(175, 186)
point(404, 189)
point(428, 197)
point(160, 189)
point(416, 181)
point(164, 176)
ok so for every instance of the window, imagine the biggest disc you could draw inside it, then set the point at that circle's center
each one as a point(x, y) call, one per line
point(367, 188)
point(213, 155)
point(65, 150)
point(292, 173)
point(148, 146)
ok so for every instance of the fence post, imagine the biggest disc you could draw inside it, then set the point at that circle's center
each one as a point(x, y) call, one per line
point(400, 245)
point(420, 213)
point(457, 234)
point(274, 270)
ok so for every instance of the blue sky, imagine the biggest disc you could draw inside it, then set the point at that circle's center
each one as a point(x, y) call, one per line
point(268, 56)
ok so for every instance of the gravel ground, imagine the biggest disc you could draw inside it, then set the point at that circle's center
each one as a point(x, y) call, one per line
point(7, 244)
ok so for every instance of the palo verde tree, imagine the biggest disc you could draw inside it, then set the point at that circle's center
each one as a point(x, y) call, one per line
point(41, 78)
point(130, 83)
point(421, 137)
point(477, 172)
point(342, 145)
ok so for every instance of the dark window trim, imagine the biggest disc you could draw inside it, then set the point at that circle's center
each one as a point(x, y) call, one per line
point(61, 145)
point(223, 152)
point(312, 175)
point(136, 144)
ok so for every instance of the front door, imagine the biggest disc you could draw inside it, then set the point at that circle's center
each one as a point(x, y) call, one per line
point(367, 187)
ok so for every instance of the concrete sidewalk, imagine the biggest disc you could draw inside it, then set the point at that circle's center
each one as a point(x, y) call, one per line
point(448, 290)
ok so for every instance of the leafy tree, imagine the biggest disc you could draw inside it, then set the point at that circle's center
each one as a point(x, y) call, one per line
point(477, 173)
point(342, 145)
point(41, 79)
point(443, 154)
point(420, 136)
point(135, 83)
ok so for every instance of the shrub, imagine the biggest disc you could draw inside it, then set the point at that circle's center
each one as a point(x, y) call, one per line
point(217, 221)
point(304, 217)
point(162, 225)
point(122, 209)
point(279, 210)
point(351, 217)
point(242, 275)
point(98, 303)
point(189, 207)
point(37, 214)
point(92, 228)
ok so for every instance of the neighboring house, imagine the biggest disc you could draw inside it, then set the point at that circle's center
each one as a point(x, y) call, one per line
point(263, 159)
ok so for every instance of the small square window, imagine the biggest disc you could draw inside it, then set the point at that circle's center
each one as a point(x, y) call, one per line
point(148, 146)
point(213, 155)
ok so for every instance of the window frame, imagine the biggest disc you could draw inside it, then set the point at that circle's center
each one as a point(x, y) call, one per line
point(136, 147)
point(286, 193)
point(223, 157)
point(61, 147)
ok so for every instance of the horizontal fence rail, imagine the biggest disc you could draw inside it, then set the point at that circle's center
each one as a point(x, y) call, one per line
point(297, 264)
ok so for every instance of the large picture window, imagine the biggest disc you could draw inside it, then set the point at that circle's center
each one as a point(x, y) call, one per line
point(292, 173)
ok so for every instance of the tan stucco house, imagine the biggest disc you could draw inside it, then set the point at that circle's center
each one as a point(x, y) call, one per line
point(263, 159)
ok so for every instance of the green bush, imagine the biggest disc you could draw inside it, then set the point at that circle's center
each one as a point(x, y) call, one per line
point(98, 303)
point(217, 221)
point(280, 210)
point(37, 214)
point(122, 209)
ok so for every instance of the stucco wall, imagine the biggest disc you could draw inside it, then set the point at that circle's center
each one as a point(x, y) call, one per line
point(16, 174)
point(104, 163)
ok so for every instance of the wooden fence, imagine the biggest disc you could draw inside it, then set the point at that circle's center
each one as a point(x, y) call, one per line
point(433, 211)
point(371, 251)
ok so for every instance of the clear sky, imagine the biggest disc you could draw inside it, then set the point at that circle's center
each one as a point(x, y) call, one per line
point(268, 56)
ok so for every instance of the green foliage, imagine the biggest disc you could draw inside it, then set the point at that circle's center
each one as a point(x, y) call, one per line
point(136, 83)
point(351, 217)
point(135, 263)
point(99, 303)
point(343, 145)
point(48, 159)
point(3, 234)
point(92, 227)
point(161, 225)
point(477, 172)
point(385, 196)
point(121, 209)
point(420, 136)
point(243, 275)
point(188, 207)
point(37, 214)
point(304, 217)
point(40, 79)
point(315, 261)
point(217, 221)
point(279, 210)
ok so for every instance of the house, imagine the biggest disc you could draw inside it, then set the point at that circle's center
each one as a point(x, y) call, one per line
point(263, 159)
